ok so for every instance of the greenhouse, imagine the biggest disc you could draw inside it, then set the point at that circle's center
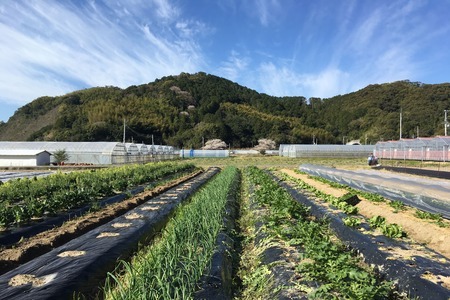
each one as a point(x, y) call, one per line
point(132, 149)
point(143, 149)
point(158, 149)
point(98, 153)
point(302, 150)
point(432, 148)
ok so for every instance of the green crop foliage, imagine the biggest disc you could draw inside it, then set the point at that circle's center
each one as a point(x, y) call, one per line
point(397, 205)
point(389, 230)
point(437, 218)
point(23, 199)
point(343, 203)
point(393, 231)
point(339, 273)
point(352, 221)
point(377, 221)
point(369, 196)
point(427, 215)
point(171, 266)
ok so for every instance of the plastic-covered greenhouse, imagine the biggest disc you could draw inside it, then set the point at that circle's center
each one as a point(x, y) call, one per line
point(97, 153)
point(143, 149)
point(132, 149)
point(78, 152)
point(432, 148)
point(300, 150)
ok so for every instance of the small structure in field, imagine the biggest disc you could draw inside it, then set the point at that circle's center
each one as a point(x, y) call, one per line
point(24, 158)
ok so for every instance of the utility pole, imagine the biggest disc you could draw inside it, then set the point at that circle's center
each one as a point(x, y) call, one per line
point(445, 122)
point(124, 130)
point(401, 110)
point(417, 131)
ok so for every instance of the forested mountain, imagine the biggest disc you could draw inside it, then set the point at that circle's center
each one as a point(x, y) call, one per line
point(183, 110)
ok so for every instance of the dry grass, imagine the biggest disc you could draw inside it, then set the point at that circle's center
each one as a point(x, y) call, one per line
point(265, 161)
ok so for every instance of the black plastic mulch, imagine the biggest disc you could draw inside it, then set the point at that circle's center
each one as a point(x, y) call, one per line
point(407, 274)
point(85, 273)
point(12, 236)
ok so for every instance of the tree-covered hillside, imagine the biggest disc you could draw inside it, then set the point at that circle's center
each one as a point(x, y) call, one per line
point(186, 109)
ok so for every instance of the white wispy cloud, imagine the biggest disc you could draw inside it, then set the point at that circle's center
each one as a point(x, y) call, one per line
point(266, 10)
point(282, 81)
point(315, 48)
point(166, 10)
point(57, 47)
point(235, 66)
point(382, 43)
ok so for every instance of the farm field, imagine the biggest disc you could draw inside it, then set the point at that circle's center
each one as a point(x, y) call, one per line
point(254, 228)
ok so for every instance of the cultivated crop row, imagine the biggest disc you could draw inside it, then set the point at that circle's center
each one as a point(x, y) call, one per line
point(81, 263)
point(283, 249)
point(25, 199)
point(417, 272)
point(324, 268)
point(347, 203)
point(171, 266)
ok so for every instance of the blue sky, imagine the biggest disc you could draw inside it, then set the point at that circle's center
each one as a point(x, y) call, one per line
point(319, 48)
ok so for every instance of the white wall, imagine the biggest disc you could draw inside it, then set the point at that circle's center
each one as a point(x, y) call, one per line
point(24, 160)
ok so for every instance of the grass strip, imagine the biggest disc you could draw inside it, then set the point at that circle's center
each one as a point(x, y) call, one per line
point(172, 265)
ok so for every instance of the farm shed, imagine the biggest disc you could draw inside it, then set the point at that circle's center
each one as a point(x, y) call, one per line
point(301, 150)
point(24, 158)
point(98, 153)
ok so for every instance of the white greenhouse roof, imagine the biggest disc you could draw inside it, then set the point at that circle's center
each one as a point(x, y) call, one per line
point(21, 152)
point(103, 147)
point(429, 142)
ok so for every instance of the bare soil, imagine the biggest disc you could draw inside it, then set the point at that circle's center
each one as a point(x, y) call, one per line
point(30, 248)
point(420, 232)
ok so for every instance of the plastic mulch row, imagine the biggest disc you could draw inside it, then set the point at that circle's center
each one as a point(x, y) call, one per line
point(407, 276)
point(13, 236)
point(415, 200)
point(80, 265)
point(217, 283)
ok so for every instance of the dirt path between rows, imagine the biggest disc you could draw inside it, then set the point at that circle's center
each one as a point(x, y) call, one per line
point(46, 241)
